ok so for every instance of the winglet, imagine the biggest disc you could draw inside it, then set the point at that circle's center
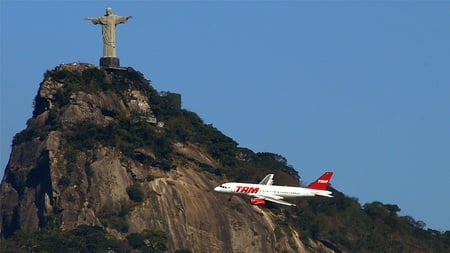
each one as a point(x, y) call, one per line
point(322, 182)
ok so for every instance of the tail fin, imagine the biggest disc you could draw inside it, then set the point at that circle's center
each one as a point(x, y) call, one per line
point(322, 182)
point(267, 180)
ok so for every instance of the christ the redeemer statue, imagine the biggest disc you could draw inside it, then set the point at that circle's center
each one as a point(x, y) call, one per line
point(109, 22)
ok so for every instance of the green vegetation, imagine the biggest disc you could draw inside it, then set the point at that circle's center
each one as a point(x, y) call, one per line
point(148, 241)
point(136, 193)
point(125, 135)
point(183, 251)
point(342, 222)
point(26, 135)
point(186, 126)
point(83, 239)
point(115, 217)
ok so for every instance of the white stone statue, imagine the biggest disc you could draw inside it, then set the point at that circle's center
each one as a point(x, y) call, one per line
point(109, 22)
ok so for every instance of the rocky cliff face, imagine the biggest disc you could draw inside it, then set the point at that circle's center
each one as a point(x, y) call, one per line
point(56, 177)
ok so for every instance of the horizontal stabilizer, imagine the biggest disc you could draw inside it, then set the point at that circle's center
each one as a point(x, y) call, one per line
point(324, 194)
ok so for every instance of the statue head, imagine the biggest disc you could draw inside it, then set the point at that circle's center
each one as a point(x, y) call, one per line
point(109, 11)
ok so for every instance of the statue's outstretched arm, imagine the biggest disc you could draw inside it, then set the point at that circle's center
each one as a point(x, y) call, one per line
point(94, 20)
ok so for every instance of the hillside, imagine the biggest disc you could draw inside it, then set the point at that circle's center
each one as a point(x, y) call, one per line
point(109, 163)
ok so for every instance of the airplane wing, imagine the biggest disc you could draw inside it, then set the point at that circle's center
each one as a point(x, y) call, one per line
point(267, 180)
point(275, 199)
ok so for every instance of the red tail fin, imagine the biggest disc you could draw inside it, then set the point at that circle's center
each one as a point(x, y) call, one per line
point(322, 182)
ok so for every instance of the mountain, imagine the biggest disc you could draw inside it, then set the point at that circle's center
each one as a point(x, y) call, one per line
point(107, 163)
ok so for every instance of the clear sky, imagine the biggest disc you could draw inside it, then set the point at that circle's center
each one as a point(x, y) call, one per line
point(361, 88)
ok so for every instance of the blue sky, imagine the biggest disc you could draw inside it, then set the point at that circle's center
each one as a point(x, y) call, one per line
point(358, 88)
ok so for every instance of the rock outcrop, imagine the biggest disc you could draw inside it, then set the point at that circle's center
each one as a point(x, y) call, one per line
point(58, 177)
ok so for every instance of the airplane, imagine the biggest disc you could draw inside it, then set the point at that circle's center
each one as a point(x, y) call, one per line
point(266, 191)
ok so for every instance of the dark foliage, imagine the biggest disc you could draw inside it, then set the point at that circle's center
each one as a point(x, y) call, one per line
point(342, 222)
point(115, 217)
point(148, 241)
point(82, 239)
point(136, 193)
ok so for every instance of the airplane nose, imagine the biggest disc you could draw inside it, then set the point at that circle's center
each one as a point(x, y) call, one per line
point(217, 189)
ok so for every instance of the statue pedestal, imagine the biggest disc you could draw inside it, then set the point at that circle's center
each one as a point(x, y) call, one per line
point(109, 62)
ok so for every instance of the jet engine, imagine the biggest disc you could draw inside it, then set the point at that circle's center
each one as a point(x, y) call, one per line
point(257, 201)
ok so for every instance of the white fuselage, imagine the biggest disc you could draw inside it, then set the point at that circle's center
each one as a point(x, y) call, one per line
point(276, 191)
